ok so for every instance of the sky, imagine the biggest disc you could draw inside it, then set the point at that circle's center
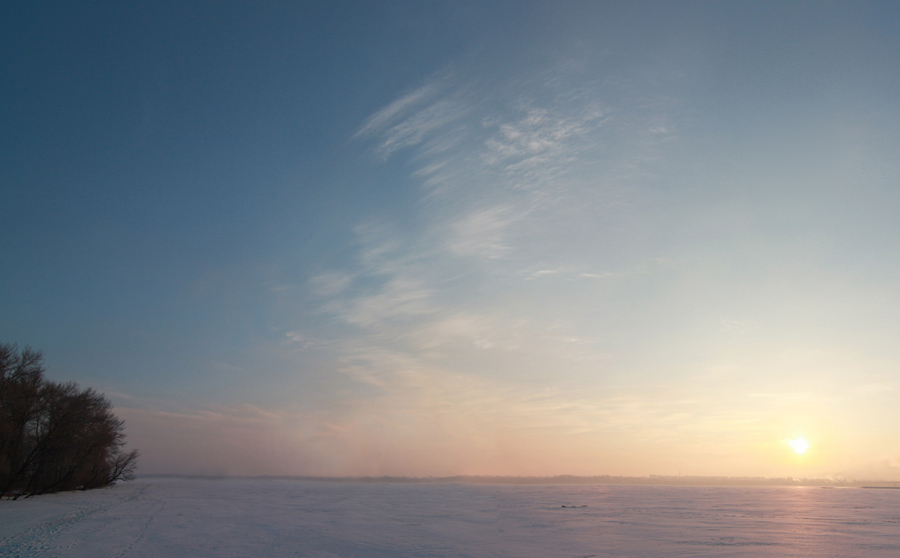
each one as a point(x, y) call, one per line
point(479, 238)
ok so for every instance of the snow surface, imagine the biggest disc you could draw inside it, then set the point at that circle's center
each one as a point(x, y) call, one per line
point(231, 518)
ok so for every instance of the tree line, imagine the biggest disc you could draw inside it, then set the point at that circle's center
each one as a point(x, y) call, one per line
point(55, 436)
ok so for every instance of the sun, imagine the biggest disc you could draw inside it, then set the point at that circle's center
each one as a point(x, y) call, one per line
point(799, 445)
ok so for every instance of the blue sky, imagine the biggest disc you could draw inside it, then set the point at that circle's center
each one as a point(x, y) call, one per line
point(446, 237)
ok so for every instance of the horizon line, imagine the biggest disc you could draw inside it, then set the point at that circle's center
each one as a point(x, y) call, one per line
point(650, 480)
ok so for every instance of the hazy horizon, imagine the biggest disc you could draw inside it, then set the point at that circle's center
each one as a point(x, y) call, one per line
point(463, 238)
point(600, 480)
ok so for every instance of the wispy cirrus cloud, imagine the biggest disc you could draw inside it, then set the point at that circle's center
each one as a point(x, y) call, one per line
point(494, 169)
point(541, 145)
point(493, 310)
point(416, 118)
point(381, 119)
point(481, 232)
point(329, 284)
point(396, 299)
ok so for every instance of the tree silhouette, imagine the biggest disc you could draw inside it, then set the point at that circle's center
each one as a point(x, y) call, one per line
point(55, 436)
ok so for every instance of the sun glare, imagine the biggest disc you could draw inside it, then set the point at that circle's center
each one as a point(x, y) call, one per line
point(799, 445)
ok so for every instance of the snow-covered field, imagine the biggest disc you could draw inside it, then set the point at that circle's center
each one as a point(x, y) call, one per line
point(230, 518)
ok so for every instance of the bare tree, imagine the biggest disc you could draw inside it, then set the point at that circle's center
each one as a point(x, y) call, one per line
point(21, 379)
point(55, 436)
